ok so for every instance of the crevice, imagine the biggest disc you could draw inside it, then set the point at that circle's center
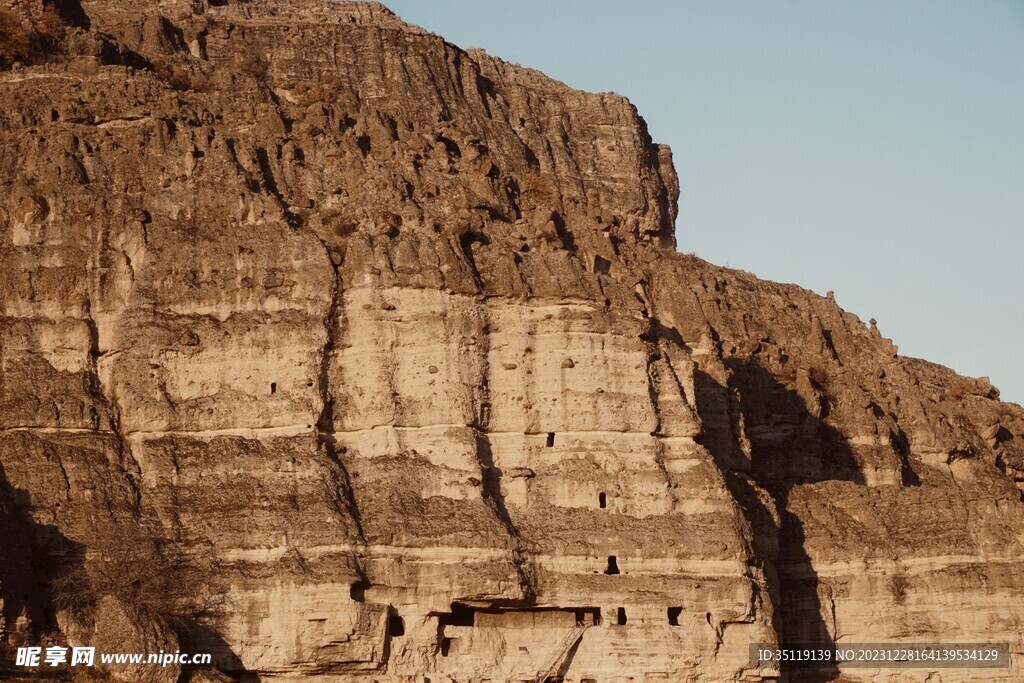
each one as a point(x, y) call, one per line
point(491, 489)
point(901, 445)
point(270, 185)
point(466, 247)
point(654, 379)
point(325, 421)
point(659, 460)
point(653, 355)
point(64, 476)
point(719, 631)
point(95, 390)
point(491, 492)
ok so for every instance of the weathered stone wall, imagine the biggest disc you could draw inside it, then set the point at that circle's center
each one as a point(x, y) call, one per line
point(342, 352)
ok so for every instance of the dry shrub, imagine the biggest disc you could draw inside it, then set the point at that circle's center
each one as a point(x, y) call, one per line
point(181, 77)
point(30, 44)
point(819, 376)
point(51, 27)
point(253, 64)
point(539, 191)
point(151, 583)
point(15, 41)
point(306, 94)
point(898, 585)
point(199, 82)
point(170, 74)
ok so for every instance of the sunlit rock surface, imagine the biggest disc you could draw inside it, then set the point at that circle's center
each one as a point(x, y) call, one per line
point(342, 353)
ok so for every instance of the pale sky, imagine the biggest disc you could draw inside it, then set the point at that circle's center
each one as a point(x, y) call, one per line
point(871, 147)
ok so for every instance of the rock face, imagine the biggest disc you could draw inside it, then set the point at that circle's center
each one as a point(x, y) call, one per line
point(342, 353)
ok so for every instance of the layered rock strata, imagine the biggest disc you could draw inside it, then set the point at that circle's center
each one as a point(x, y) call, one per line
point(346, 354)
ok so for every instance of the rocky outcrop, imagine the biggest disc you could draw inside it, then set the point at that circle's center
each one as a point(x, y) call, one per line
point(340, 352)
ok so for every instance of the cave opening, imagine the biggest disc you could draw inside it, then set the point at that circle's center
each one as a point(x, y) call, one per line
point(613, 565)
point(602, 500)
point(551, 440)
point(673, 615)
point(357, 591)
point(273, 387)
point(461, 615)
point(620, 616)
point(396, 626)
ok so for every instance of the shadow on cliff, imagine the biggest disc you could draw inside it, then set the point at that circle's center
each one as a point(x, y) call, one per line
point(42, 571)
point(789, 446)
point(491, 491)
point(563, 668)
point(32, 557)
point(199, 636)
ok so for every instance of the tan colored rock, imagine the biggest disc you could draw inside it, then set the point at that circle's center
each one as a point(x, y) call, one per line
point(382, 351)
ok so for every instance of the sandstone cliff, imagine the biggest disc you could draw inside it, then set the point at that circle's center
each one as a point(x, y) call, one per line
point(343, 353)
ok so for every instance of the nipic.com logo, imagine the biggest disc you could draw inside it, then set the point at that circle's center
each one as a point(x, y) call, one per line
point(57, 655)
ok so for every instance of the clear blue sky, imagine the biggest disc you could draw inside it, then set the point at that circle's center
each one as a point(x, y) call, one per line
point(871, 147)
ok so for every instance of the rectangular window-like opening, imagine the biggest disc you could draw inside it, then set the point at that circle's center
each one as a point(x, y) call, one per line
point(551, 440)
point(620, 616)
point(673, 615)
point(396, 626)
point(613, 565)
point(357, 591)
point(273, 387)
point(602, 500)
point(590, 616)
point(461, 615)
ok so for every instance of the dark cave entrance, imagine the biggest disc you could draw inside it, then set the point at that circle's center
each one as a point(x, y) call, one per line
point(396, 625)
point(461, 615)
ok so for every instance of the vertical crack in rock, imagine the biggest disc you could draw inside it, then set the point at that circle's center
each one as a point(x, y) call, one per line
point(901, 446)
point(490, 475)
point(272, 187)
point(466, 248)
point(99, 393)
point(649, 336)
point(491, 485)
point(325, 422)
point(653, 354)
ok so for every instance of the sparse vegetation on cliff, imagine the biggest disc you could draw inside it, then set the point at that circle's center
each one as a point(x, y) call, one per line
point(15, 40)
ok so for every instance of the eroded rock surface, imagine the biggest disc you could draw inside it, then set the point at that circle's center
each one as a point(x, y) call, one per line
point(341, 352)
